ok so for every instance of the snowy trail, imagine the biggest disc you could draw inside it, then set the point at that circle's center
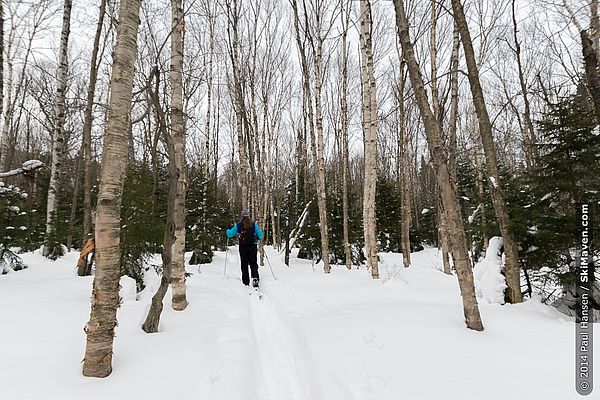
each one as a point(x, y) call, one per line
point(280, 374)
point(313, 336)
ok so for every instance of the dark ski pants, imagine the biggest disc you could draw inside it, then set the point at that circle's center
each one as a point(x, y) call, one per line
point(248, 257)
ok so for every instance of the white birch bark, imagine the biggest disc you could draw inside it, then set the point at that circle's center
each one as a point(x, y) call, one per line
point(317, 143)
point(345, 16)
point(179, 300)
point(233, 15)
point(319, 157)
point(369, 125)
point(51, 244)
point(105, 292)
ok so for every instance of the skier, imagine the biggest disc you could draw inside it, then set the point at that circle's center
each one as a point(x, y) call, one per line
point(249, 232)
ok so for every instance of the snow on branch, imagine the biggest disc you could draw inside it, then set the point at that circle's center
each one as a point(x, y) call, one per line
point(299, 225)
point(475, 214)
point(27, 166)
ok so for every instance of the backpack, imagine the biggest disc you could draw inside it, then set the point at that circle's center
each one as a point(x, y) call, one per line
point(247, 236)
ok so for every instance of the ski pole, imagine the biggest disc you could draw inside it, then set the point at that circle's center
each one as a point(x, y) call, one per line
point(269, 262)
point(226, 252)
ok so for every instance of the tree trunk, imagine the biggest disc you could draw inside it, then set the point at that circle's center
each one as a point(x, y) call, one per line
point(344, 126)
point(529, 137)
point(447, 187)
point(319, 158)
point(511, 264)
point(202, 234)
point(153, 318)
point(403, 165)
point(453, 122)
point(178, 138)
point(404, 171)
point(87, 128)
point(74, 202)
point(591, 72)
point(105, 292)
point(481, 191)
point(232, 28)
point(443, 237)
point(11, 98)
point(438, 112)
point(595, 25)
point(317, 145)
point(452, 127)
point(369, 125)
point(288, 223)
point(51, 243)
point(152, 321)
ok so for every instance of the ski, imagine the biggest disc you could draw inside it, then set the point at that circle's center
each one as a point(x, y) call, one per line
point(257, 292)
point(256, 289)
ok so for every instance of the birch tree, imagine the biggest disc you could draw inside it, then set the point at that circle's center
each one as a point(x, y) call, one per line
point(404, 166)
point(87, 127)
point(438, 111)
point(152, 321)
point(233, 18)
point(315, 36)
point(529, 136)
point(369, 126)
point(452, 128)
point(210, 15)
point(52, 248)
point(511, 264)
point(105, 292)
point(447, 187)
point(178, 139)
point(345, 20)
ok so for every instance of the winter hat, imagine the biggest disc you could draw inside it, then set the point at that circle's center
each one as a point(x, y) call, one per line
point(245, 213)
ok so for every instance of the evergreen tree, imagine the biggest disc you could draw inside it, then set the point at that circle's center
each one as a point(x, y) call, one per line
point(336, 230)
point(387, 208)
point(567, 173)
point(143, 212)
point(309, 240)
point(11, 226)
point(206, 228)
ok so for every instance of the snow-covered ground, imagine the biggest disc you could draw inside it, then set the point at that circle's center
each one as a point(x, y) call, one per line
point(313, 336)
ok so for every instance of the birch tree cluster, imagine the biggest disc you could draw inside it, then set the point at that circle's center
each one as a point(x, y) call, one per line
point(347, 128)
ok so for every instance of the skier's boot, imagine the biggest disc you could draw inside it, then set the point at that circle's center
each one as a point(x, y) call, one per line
point(255, 282)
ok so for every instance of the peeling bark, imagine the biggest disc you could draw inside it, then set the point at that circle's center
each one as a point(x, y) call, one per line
point(105, 293)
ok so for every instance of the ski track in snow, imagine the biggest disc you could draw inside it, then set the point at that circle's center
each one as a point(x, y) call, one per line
point(280, 374)
point(313, 336)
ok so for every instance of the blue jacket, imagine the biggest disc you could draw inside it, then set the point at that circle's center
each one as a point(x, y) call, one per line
point(234, 231)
